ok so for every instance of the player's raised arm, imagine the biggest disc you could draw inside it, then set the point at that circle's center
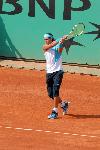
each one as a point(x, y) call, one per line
point(61, 47)
point(49, 42)
point(47, 47)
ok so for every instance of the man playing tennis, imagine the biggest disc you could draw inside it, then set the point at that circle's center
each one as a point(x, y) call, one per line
point(52, 52)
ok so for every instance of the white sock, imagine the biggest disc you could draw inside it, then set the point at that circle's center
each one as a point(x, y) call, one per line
point(55, 109)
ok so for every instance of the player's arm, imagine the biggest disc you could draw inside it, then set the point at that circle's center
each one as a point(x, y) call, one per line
point(60, 41)
point(47, 47)
point(61, 47)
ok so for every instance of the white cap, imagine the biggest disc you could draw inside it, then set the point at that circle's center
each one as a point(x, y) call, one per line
point(48, 36)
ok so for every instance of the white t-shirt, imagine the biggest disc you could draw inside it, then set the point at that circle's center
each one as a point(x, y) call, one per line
point(53, 59)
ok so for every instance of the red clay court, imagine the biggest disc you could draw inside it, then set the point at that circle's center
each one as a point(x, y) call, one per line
point(24, 107)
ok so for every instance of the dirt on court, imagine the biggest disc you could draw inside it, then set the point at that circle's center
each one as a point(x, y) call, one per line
point(24, 107)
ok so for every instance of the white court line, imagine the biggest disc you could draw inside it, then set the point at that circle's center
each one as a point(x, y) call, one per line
point(56, 132)
point(83, 135)
point(93, 136)
point(67, 133)
point(8, 127)
point(38, 130)
point(48, 131)
point(28, 129)
point(18, 128)
point(75, 134)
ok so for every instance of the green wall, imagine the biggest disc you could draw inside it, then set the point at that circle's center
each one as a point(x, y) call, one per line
point(21, 35)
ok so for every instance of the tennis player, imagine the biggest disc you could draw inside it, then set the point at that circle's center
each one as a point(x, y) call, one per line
point(54, 72)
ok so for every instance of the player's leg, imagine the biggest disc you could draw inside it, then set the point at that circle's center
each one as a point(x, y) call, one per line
point(57, 83)
point(57, 100)
point(57, 79)
point(49, 82)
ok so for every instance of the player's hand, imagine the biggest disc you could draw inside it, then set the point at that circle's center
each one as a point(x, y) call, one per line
point(63, 39)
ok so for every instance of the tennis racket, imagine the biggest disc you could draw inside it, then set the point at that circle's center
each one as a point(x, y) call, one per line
point(76, 31)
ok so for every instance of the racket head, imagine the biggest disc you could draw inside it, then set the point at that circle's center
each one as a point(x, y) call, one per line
point(77, 30)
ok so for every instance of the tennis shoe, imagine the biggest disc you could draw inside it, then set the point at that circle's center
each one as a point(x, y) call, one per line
point(65, 106)
point(53, 115)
